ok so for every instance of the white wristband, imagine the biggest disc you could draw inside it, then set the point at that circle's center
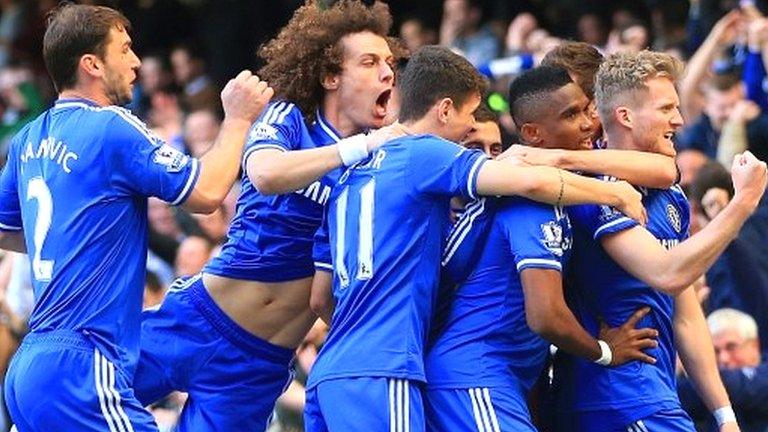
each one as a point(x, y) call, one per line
point(606, 356)
point(724, 415)
point(353, 149)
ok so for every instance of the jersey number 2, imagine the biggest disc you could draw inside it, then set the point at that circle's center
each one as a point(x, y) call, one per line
point(39, 191)
point(364, 233)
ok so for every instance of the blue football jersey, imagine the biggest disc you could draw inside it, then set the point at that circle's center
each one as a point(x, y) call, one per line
point(599, 289)
point(485, 340)
point(270, 237)
point(386, 221)
point(77, 181)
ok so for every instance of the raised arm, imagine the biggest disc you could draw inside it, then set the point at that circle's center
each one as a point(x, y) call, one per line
point(243, 99)
point(673, 270)
point(723, 33)
point(557, 187)
point(694, 344)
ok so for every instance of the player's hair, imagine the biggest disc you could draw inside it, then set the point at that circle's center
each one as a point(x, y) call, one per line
point(308, 48)
point(434, 73)
point(484, 113)
point(152, 283)
point(528, 92)
point(727, 319)
point(579, 58)
point(622, 79)
point(73, 31)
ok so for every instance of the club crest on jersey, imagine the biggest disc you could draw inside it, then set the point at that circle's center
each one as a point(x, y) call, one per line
point(172, 159)
point(262, 131)
point(552, 239)
point(674, 218)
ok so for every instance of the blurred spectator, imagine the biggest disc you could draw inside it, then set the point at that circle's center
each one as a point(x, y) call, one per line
point(154, 291)
point(166, 117)
point(461, 30)
point(200, 130)
point(20, 100)
point(194, 252)
point(415, 34)
point(591, 28)
point(689, 162)
point(739, 277)
point(214, 226)
point(154, 76)
point(744, 373)
point(729, 124)
point(11, 21)
point(199, 92)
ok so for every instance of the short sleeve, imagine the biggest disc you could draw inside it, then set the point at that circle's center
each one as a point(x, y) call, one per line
point(467, 238)
point(599, 220)
point(539, 235)
point(278, 127)
point(142, 164)
point(441, 167)
point(10, 208)
point(321, 250)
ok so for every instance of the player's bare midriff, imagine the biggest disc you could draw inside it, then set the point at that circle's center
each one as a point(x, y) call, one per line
point(277, 312)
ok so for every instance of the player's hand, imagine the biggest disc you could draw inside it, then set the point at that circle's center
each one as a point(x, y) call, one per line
point(728, 28)
point(627, 342)
point(245, 96)
point(730, 427)
point(377, 137)
point(749, 176)
point(744, 112)
point(631, 203)
point(531, 155)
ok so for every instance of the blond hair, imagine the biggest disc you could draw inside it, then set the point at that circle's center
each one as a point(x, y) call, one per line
point(622, 78)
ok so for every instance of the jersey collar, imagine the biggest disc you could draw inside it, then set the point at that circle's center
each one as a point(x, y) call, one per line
point(326, 127)
point(62, 103)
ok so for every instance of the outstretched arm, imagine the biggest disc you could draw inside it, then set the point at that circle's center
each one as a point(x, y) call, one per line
point(557, 187)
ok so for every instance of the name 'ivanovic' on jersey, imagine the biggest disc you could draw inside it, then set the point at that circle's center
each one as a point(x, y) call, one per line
point(50, 148)
point(271, 236)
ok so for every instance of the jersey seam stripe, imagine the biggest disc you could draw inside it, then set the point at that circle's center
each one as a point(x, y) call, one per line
point(465, 230)
point(391, 385)
point(268, 113)
point(100, 391)
point(275, 113)
point(491, 409)
point(9, 227)
point(285, 113)
point(642, 426)
point(472, 180)
point(110, 402)
point(464, 219)
point(192, 179)
point(611, 225)
point(323, 265)
point(538, 261)
point(116, 395)
point(476, 411)
point(407, 409)
point(133, 121)
point(483, 410)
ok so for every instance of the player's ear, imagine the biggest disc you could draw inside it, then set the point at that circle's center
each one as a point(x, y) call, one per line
point(92, 65)
point(330, 82)
point(530, 133)
point(624, 116)
point(444, 108)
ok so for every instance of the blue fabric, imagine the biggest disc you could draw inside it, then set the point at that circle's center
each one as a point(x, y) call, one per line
point(477, 409)
point(60, 381)
point(668, 419)
point(364, 404)
point(387, 217)
point(80, 176)
point(188, 344)
point(270, 237)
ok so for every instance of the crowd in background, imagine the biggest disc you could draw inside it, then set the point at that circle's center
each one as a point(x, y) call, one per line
point(189, 48)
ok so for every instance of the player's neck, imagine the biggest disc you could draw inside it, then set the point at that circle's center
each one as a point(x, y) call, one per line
point(619, 140)
point(79, 93)
point(333, 115)
point(421, 126)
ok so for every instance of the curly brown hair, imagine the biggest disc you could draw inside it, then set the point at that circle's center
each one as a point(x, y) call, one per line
point(308, 49)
